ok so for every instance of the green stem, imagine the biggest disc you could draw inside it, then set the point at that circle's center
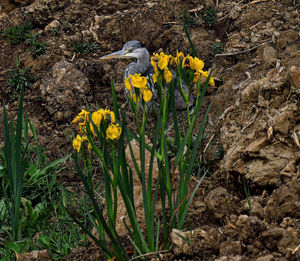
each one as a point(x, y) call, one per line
point(115, 178)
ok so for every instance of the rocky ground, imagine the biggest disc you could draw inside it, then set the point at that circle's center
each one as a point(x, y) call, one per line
point(256, 105)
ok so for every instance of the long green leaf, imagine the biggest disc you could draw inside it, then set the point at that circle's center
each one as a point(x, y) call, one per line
point(182, 217)
point(191, 127)
point(111, 232)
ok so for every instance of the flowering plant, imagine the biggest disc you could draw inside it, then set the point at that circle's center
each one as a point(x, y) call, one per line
point(110, 131)
point(98, 121)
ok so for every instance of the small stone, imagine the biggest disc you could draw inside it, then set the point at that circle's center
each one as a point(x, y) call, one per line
point(257, 210)
point(265, 258)
point(107, 67)
point(67, 115)
point(63, 47)
point(219, 202)
point(231, 248)
point(269, 55)
point(284, 121)
point(294, 76)
point(52, 25)
point(59, 116)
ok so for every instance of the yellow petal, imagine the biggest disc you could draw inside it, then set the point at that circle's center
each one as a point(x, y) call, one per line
point(147, 95)
point(77, 143)
point(83, 115)
point(154, 78)
point(153, 63)
point(97, 117)
point(204, 73)
point(92, 129)
point(113, 131)
point(196, 76)
point(128, 84)
point(163, 62)
point(197, 64)
point(76, 119)
point(84, 138)
point(110, 114)
point(138, 81)
point(112, 117)
point(82, 127)
point(211, 82)
point(168, 75)
point(179, 55)
point(156, 55)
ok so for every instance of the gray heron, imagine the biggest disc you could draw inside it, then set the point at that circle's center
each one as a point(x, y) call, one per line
point(136, 50)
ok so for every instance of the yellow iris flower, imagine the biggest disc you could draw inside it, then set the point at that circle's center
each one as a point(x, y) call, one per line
point(97, 117)
point(197, 64)
point(77, 143)
point(111, 114)
point(113, 131)
point(163, 62)
point(83, 115)
point(168, 75)
point(186, 62)
point(198, 74)
point(179, 57)
point(138, 81)
point(147, 95)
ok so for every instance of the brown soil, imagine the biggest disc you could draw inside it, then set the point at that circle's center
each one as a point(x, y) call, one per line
point(257, 95)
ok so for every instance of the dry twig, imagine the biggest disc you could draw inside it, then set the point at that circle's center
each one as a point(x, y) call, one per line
point(252, 121)
point(150, 254)
point(296, 249)
point(258, 1)
point(283, 173)
point(230, 224)
point(296, 139)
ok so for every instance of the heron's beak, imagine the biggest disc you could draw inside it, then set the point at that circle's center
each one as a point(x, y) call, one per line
point(118, 54)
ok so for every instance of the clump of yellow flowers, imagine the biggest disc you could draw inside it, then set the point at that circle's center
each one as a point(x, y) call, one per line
point(111, 129)
point(139, 83)
point(160, 63)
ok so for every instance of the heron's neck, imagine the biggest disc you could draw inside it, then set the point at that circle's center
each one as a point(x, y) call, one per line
point(144, 62)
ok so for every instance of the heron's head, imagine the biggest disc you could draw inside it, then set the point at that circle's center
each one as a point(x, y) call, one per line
point(131, 49)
